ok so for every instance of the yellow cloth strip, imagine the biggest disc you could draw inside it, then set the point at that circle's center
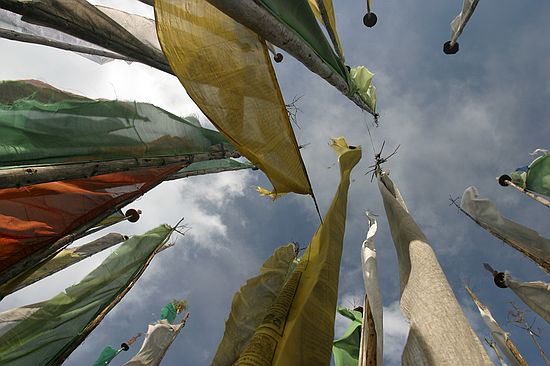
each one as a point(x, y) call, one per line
point(331, 18)
point(299, 327)
point(226, 70)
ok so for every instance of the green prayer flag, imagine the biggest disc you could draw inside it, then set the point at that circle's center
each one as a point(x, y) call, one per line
point(535, 177)
point(299, 17)
point(346, 349)
point(106, 356)
point(362, 83)
point(36, 130)
point(169, 313)
point(51, 333)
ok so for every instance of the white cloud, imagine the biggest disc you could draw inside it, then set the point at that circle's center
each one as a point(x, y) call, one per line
point(396, 330)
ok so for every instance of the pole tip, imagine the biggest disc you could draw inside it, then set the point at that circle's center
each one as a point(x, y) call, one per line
point(448, 49)
point(499, 280)
point(504, 180)
point(132, 215)
point(278, 57)
point(370, 19)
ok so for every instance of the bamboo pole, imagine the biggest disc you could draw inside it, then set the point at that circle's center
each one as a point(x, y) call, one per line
point(492, 344)
point(20, 177)
point(505, 180)
point(259, 20)
point(29, 38)
point(179, 175)
point(368, 346)
point(539, 347)
point(513, 349)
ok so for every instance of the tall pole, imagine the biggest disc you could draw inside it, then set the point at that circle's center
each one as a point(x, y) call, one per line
point(20, 177)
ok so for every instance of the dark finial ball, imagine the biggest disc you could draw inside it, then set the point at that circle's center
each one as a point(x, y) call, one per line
point(370, 19)
point(450, 50)
point(499, 280)
point(278, 57)
point(125, 346)
point(504, 179)
point(132, 215)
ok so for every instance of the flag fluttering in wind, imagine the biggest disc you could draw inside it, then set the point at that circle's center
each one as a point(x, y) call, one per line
point(291, 25)
point(501, 338)
point(525, 240)
point(324, 12)
point(79, 160)
point(299, 328)
point(252, 302)
point(160, 335)
point(28, 237)
point(439, 333)
point(346, 349)
point(109, 353)
point(126, 36)
point(41, 125)
point(66, 258)
point(458, 24)
point(226, 70)
point(536, 176)
point(534, 294)
point(372, 332)
point(51, 330)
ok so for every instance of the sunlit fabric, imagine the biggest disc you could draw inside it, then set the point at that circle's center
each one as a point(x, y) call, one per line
point(331, 20)
point(372, 332)
point(440, 333)
point(106, 356)
point(298, 16)
point(346, 348)
point(458, 23)
point(48, 335)
point(536, 177)
point(534, 294)
point(500, 337)
point(61, 207)
point(13, 21)
point(67, 257)
point(226, 70)
point(361, 79)
point(157, 340)
point(140, 27)
point(299, 327)
point(519, 237)
point(40, 124)
point(251, 304)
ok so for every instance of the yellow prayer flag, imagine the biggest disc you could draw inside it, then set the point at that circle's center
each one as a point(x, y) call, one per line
point(331, 18)
point(225, 69)
point(299, 327)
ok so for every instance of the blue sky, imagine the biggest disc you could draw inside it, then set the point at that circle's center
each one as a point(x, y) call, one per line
point(461, 120)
